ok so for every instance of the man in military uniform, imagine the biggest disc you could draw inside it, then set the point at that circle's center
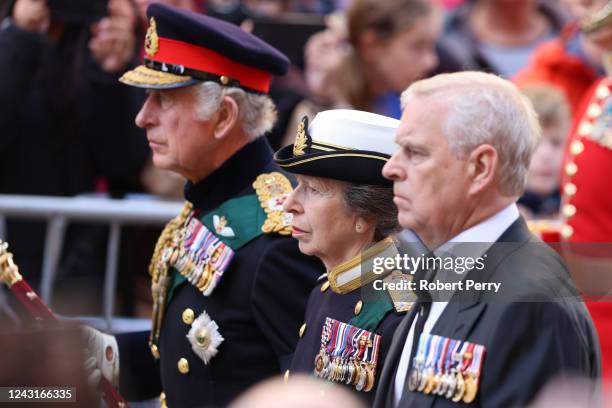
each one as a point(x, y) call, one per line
point(229, 285)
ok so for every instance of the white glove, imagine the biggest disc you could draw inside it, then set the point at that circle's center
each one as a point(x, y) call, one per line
point(102, 357)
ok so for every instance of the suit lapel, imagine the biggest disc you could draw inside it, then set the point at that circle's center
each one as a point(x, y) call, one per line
point(386, 384)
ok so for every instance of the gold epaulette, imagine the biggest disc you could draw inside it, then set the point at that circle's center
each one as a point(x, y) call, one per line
point(272, 190)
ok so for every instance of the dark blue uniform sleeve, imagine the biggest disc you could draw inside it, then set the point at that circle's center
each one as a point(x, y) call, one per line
point(139, 377)
point(281, 288)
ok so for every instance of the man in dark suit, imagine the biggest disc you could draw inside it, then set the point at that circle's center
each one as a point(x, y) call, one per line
point(466, 141)
point(229, 284)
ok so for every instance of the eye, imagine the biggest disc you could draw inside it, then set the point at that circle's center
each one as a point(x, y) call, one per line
point(165, 100)
point(309, 188)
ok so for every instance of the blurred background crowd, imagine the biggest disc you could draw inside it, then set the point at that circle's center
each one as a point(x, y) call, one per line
point(67, 126)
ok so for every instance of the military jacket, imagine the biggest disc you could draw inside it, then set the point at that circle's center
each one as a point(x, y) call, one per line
point(226, 317)
point(347, 328)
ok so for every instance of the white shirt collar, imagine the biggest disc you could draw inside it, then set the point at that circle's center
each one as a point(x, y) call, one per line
point(486, 232)
point(490, 229)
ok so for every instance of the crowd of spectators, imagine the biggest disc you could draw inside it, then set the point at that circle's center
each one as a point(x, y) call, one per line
point(66, 124)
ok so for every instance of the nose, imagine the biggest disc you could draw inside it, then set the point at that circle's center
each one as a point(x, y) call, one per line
point(392, 170)
point(292, 204)
point(146, 117)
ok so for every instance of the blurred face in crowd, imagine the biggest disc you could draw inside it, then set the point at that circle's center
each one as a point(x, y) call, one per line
point(177, 138)
point(581, 9)
point(322, 222)
point(408, 55)
point(430, 185)
point(543, 176)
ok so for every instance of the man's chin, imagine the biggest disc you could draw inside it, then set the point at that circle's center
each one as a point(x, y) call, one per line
point(406, 221)
point(161, 162)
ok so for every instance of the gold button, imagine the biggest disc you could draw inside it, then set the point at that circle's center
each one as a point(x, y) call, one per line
point(183, 366)
point(188, 316)
point(286, 376)
point(224, 80)
point(585, 129)
point(325, 286)
point(602, 92)
point(567, 231)
point(155, 351)
point(302, 330)
point(594, 110)
point(569, 210)
point(162, 400)
point(576, 147)
point(571, 168)
point(570, 189)
point(358, 307)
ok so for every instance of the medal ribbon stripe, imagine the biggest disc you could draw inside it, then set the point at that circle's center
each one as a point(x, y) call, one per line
point(442, 358)
point(375, 350)
point(433, 342)
point(449, 354)
point(468, 361)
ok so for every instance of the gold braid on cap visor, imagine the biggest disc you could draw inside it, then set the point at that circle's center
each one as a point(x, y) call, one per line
point(142, 75)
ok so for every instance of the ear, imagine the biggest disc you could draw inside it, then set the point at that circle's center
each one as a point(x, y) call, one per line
point(483, 163)
point(227, 118)
point(362, 225)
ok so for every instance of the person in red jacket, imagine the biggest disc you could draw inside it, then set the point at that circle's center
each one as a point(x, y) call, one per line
point(573, 61)
point(586, 202)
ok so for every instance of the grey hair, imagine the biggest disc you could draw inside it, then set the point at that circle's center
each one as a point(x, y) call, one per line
point(374, 203)
point(257, 111)
point(486, 109)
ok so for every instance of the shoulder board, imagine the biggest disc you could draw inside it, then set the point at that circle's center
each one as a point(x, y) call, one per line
point(272, 190)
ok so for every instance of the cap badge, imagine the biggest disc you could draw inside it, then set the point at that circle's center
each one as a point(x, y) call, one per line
point(301, 139)
point(151, 38)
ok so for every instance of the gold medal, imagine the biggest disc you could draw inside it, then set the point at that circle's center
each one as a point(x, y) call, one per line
point(319, 363)
point(430, 384)
point(436, 384)
point(369, 379)
point(460, 387)
point(470, 389)
point(357, 372)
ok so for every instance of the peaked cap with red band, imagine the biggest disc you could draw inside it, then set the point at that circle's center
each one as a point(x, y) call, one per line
point(183, 48)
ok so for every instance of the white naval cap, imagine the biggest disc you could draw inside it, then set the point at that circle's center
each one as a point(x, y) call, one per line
point(342, 144)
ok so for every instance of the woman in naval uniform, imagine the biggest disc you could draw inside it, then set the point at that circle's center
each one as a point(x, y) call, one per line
point(343, 213)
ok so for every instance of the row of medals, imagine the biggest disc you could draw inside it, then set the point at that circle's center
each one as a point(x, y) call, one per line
point(455, 385)
point(353, 372)
point(198, 273)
